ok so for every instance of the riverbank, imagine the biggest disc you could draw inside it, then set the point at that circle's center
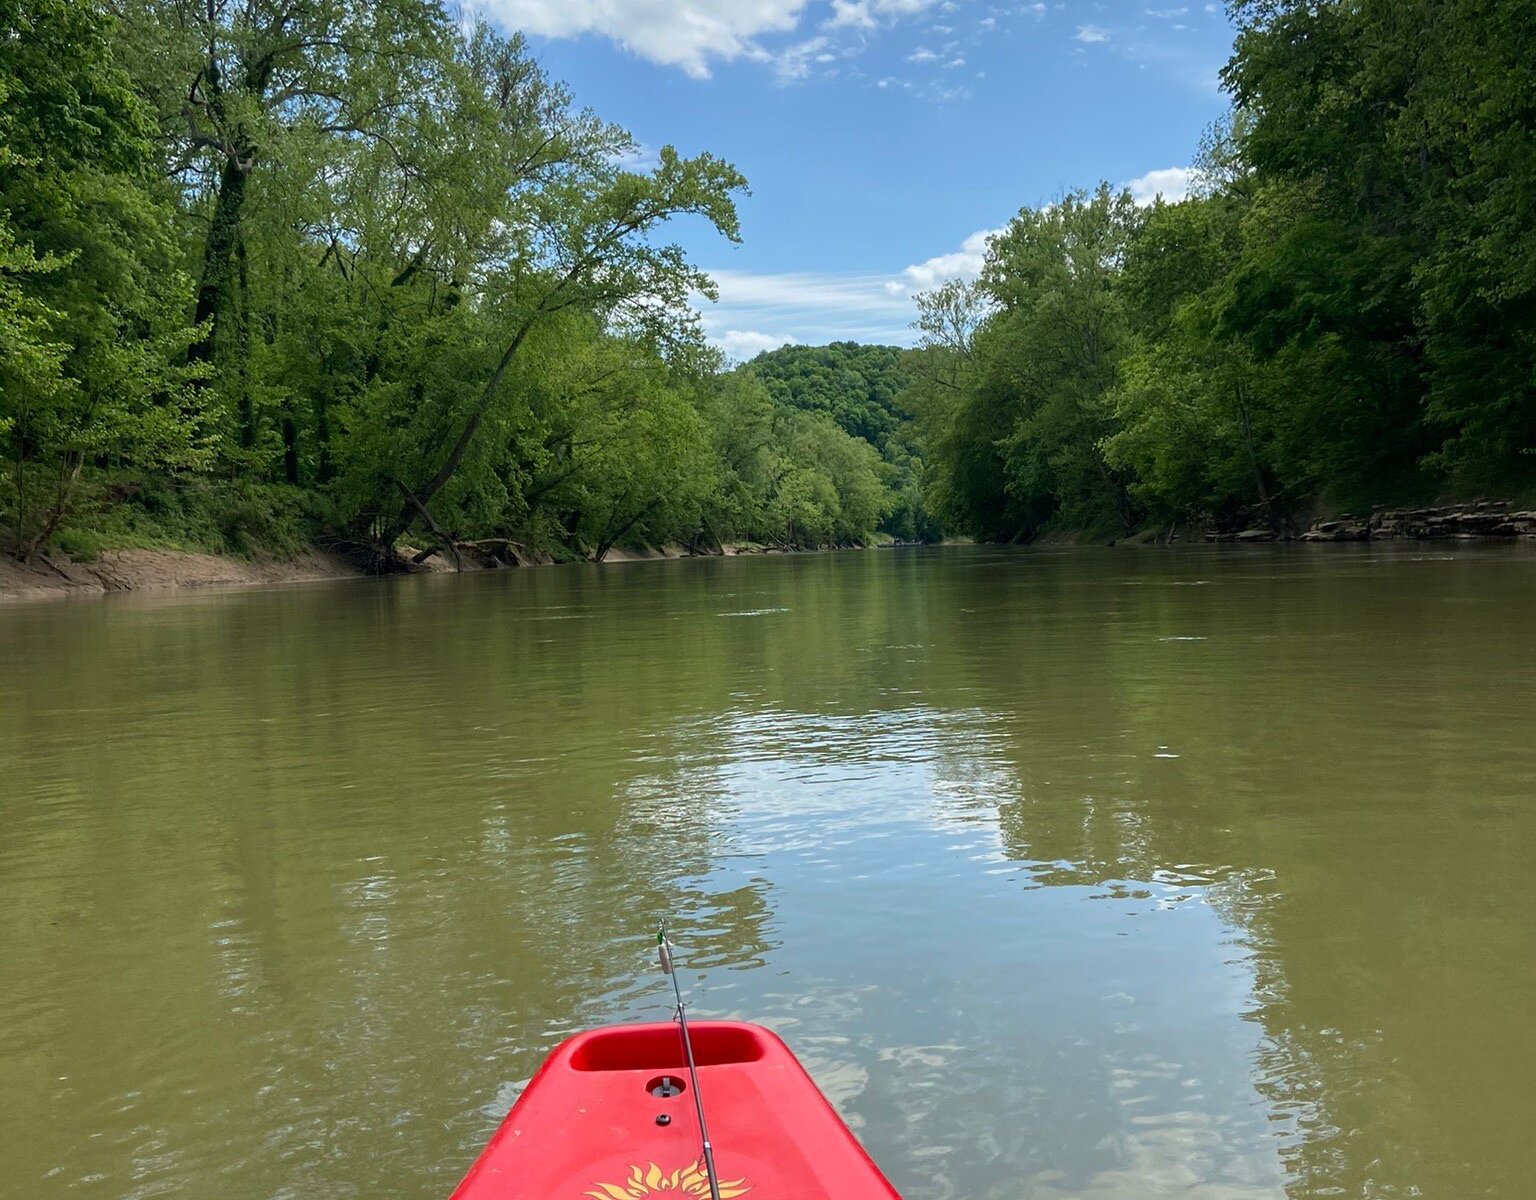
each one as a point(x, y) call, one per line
point(1474, 521)
point(58, 577)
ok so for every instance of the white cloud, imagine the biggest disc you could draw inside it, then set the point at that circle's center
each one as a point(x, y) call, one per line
point(938, 93)
point(954, 62)
point(682, 33)
point(803, 290)
point(964, 263)
point(1171, 183)
point(1090, 34)
point(1165, 13)
point(742, 344)
point(639, 158)
point(691, 34)
point(922, 55)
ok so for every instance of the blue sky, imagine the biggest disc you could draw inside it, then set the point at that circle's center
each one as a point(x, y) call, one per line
point(883, 139)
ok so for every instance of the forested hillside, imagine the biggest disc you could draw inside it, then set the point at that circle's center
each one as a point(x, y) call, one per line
point(274, 272)
point(1343, 315)
point(857, 386)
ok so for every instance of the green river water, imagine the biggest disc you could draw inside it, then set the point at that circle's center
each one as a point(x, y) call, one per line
point(1110, 875)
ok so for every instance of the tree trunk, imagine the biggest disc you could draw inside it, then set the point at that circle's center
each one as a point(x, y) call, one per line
point(218, 255)
point(320, 408)
point(245, 405)
point(456, 453)
point(69, 476)
point(418, 505)
point(1253, 458)
point(290, 449)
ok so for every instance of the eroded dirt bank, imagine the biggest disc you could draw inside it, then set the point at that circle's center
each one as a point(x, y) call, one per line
point(57, 577)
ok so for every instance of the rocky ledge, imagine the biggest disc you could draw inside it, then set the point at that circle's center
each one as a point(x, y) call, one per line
point(1477, 520)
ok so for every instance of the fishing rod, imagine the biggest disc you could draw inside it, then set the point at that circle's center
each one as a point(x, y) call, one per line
point(664, 954)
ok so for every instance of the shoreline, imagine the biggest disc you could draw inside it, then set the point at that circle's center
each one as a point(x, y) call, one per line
point(52, 577)
point(57, 577)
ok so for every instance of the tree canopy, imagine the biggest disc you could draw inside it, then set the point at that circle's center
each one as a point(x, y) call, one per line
point(1343, 312)
point(859, 387)
point(274, 270)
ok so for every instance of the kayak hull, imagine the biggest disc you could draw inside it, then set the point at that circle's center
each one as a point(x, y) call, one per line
point(610, 1116)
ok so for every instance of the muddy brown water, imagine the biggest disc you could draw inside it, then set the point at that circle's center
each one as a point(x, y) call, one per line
point(1106, 875)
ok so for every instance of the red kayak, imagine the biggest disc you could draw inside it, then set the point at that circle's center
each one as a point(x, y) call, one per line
point(609, 1117)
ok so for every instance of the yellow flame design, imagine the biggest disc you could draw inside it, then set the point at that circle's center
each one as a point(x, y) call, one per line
point(685, 1181)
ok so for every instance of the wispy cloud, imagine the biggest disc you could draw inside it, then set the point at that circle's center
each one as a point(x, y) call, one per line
point(851, 14)
point(806, 306)
point(1091, 35)
point(796, 62)
point(868, 14)
point(761, 311)
point(639, 158)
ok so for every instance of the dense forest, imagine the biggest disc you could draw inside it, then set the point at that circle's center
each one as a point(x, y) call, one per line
point(277, 273)
point(1344, 314)
point(859, 387)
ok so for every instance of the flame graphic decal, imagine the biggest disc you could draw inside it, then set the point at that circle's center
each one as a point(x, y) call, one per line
point(652, 1180)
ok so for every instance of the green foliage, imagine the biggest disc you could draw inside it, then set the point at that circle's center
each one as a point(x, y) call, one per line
point(1342, 316)
point(266, 267)
point(858, 386)
point(1407, 131)
point(787, 476)
point(90, 292)
point(211, 516)
point(1016, 375)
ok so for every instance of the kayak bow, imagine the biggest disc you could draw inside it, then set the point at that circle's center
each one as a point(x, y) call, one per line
point(608, 1117)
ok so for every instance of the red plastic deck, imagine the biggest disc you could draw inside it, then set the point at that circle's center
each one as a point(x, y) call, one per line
point(591, 1124)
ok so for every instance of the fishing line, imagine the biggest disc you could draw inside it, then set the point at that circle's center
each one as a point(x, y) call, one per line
point(664, 955)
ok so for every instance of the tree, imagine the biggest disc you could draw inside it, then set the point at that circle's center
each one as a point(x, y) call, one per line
point(586, 245)
point(1198, 419)
point(236, 81)
point(1016, 377)
point(90, 297)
